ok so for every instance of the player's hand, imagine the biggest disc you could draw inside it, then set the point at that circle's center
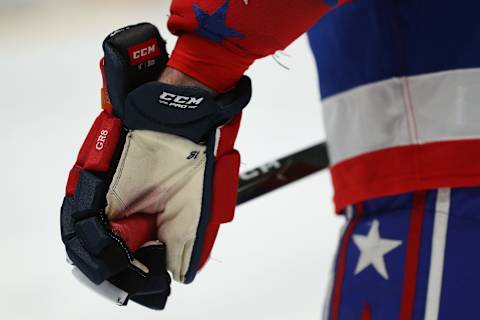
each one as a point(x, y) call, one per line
point(156, 175)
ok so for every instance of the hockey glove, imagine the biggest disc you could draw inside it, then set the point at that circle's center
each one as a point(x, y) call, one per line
point(157, 164)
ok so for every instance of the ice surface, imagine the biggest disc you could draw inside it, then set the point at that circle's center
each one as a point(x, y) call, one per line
point(271, 263)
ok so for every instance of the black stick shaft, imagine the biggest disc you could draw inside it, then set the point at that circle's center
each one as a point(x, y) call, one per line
point(275, 174)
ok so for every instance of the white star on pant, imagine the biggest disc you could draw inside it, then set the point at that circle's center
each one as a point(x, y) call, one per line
point(372, 249)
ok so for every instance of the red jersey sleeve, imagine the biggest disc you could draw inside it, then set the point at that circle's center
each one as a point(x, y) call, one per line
point(219, 39)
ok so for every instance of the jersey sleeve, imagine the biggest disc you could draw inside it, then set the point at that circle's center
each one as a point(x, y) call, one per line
point(219, 39)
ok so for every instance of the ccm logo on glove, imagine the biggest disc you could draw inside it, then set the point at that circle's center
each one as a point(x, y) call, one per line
point(101, 139)
point(177, 101)
point(144, 51)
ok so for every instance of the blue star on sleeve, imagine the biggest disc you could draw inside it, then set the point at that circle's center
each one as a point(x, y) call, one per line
point(213, 26)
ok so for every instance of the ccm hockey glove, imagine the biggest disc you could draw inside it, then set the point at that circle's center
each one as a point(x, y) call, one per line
point(156, 175)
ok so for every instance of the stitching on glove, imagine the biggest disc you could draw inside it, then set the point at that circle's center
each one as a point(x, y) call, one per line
point(120, 167)
point(120, 242)
point(183, 257)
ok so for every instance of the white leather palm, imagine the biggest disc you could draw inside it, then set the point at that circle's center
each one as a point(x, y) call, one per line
point(161, 174)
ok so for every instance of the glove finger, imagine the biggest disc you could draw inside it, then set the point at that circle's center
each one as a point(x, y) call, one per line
point(136, 230)
point(179, 224)
point(153, 301)
point(97, 267)
point(150, 289)
point(88, 245)
point(154, 257)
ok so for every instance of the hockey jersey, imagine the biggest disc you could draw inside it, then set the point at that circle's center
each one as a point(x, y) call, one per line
point(399, 79)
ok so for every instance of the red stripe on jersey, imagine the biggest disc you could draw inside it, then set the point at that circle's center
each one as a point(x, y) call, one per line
point(406, 169)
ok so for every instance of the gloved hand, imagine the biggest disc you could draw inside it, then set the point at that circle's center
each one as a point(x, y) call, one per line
point(156, 175)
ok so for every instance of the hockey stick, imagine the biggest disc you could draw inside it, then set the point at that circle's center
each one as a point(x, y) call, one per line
point(278, 173)
point(252, 184)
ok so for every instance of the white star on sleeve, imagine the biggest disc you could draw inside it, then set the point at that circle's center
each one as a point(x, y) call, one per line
point(373, 249)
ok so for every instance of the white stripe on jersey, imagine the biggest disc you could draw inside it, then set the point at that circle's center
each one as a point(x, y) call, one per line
point(404, 111)
point(439, 238)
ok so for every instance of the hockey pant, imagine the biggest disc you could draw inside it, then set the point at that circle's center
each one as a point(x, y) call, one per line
point(410, 256)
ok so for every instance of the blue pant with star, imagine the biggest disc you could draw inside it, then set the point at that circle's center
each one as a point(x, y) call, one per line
point(411, 256)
